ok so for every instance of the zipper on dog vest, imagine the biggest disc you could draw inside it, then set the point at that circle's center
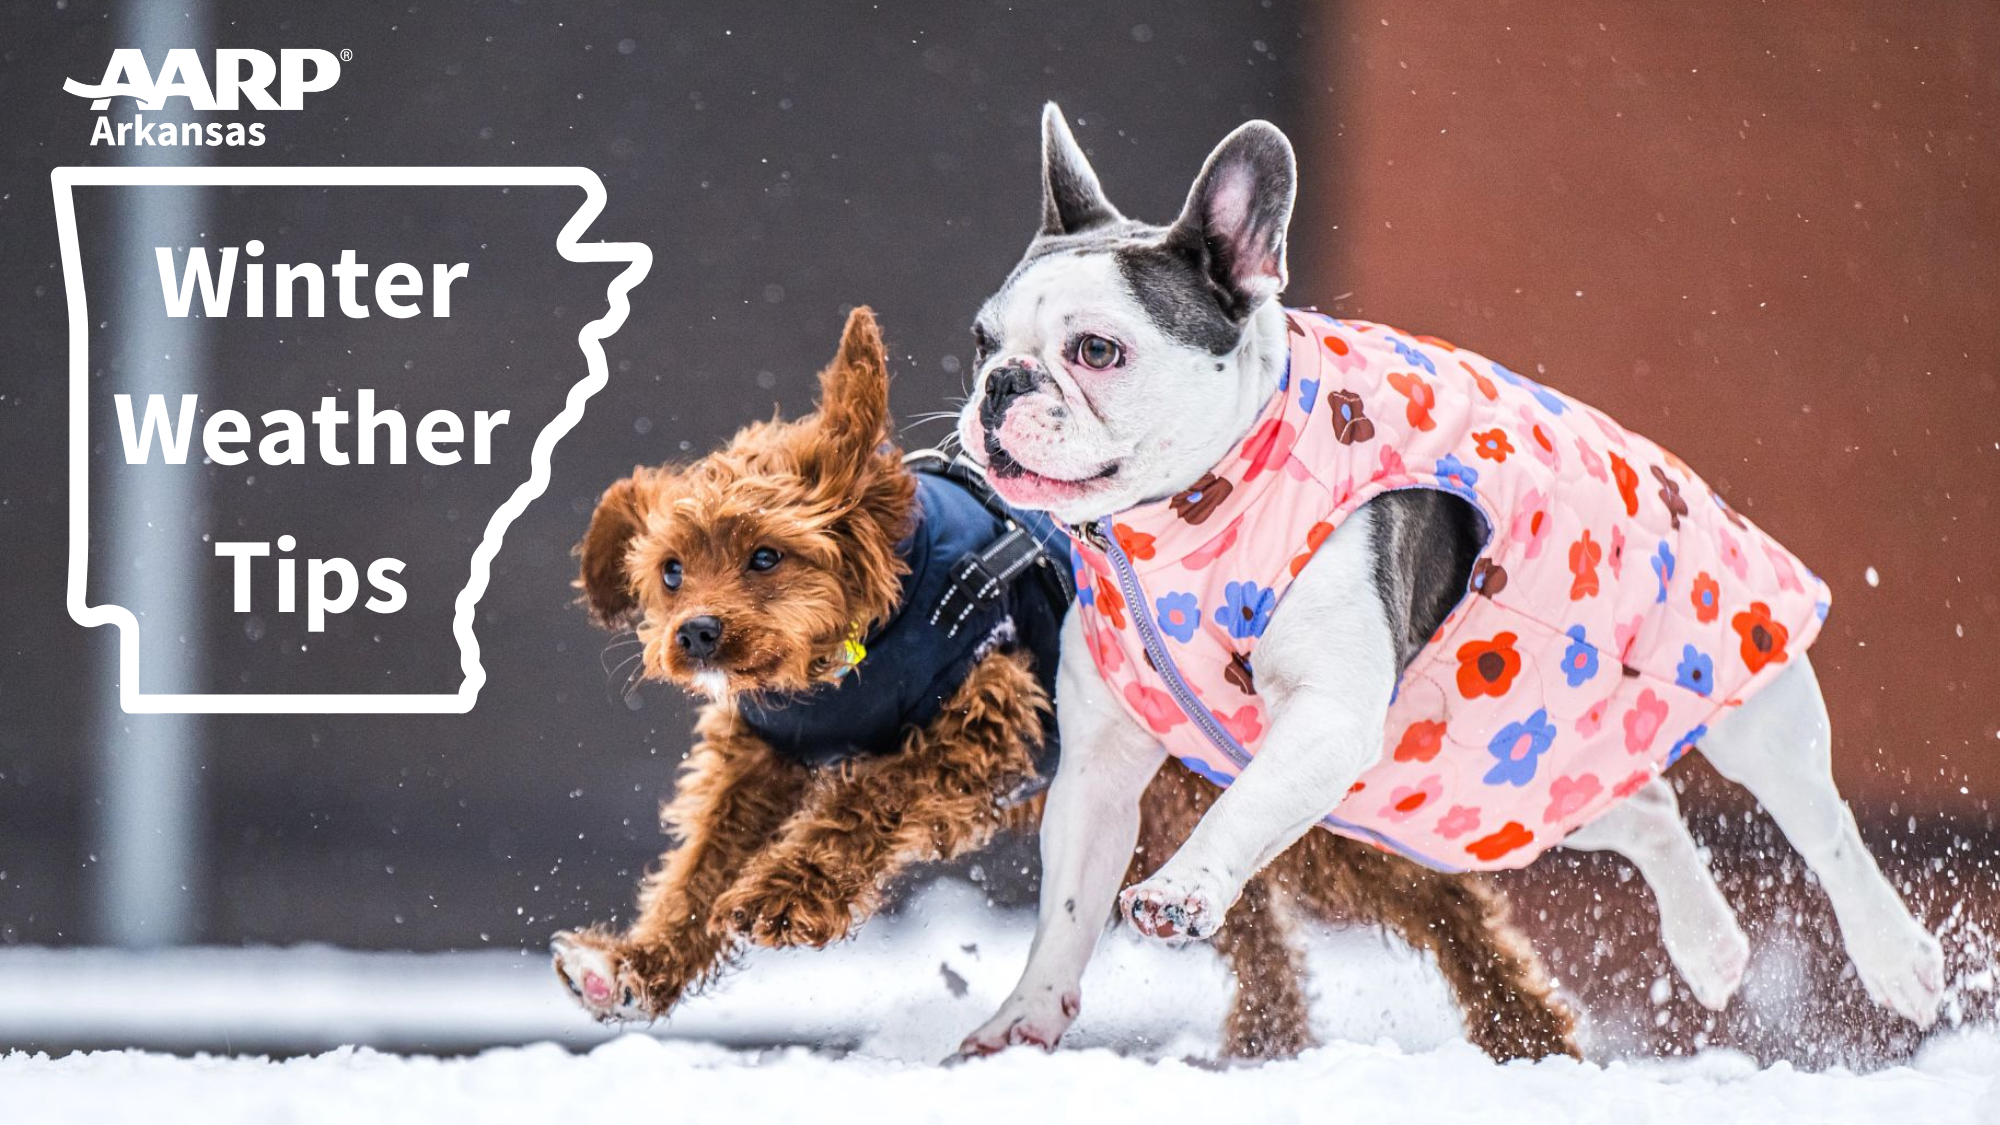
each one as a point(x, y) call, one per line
point(1204, 720)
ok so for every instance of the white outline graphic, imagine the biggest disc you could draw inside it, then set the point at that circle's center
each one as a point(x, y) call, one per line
point(591, 339)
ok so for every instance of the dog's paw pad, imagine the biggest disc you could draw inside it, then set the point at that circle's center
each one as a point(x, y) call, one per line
point(1020, 1024)
point(598, 978)
point(1166, 911)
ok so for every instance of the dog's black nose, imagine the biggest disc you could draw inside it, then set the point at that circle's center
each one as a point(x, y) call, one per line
point(1003, 386)
point(699, 637)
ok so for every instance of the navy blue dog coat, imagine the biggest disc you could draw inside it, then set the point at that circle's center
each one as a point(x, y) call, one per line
point(982, 577)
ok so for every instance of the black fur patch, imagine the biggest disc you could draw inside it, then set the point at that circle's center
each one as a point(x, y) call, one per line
point(1425, 544)
point(1181, 297)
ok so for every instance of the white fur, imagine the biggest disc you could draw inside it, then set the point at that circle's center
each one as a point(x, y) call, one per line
point(1696, 924)
point(1327, 668)
point(1089, 825)
point(1326, 665)
point(1162, 419)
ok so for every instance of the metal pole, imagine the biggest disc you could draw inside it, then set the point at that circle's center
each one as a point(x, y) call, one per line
point(146, 837)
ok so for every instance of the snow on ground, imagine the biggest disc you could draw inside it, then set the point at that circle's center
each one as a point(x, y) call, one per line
point(880, 1012)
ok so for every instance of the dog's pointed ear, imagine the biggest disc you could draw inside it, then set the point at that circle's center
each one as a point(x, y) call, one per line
point(1236, 216)
point(607, 590)
point(1072, 201)
point(854, 391)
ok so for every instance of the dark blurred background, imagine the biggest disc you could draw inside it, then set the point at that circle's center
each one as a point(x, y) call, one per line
point(1763, 235)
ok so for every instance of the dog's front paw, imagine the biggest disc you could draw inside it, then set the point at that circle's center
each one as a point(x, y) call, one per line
point(780, 910)
point(600, 976)
point(1039, 1021)
point(1172, 910)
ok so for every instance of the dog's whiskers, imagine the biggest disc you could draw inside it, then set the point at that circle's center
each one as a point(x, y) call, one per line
point(614, 673)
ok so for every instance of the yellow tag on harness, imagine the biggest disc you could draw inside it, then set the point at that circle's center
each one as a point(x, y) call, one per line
point(853, 649)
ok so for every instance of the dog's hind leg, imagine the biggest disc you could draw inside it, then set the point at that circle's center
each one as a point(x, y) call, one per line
point(732, 795)
point(1502, 990)
point(864, 821)
point(1779, 746)
point(1270, 1013)
point(1697, 925)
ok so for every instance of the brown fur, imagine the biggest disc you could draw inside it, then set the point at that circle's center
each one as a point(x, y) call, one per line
point(778, 855)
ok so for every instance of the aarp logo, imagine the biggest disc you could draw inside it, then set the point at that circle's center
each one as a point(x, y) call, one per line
point(242, 78)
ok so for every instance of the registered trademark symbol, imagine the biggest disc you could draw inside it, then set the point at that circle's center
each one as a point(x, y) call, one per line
point(346, 55)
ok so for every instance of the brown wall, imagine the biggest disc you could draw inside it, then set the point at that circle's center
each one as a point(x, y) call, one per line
point(1766, 235)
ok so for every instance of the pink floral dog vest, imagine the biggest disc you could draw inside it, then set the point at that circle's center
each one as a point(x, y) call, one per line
point(1618, 606)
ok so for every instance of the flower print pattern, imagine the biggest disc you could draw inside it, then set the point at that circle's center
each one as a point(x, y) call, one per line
point(1103, 646)
point(1580, 659)
point(1728, 512)
point(1457, 477)
point(1198, 503)
point(1341, 354)
point(1109, 602)
point(1412, 386)
point(1733, 557)
point(1246, 609)
point(1687, 742)
point(1315, 537)
point(1642, 722)
point(1137, 545)
point(1178, 614)
point(1532, 522)
point(1412, 356)
point(1155, 707)
point(1216, 548)
point(1351, 423)
point(1485, 385)
point(1591, 462)
point(1270, 443)
point(1781, 564)
point(1242, 724)
point(1518, 747)
point(1513, 836)
point(1584, 555)
point(1546, 725)
point(1308, 394)
point(1492, 445)
point(1696, 672)
point(1421, 741)
point(1663, 569)
point(1391, 467)
point(1670, 495)
point(1405, 801)
point(1634, 782)
point(1706, 597)
point(1239, 675)
point(1488, 578)
point(1570, 795)
point(1488, 668)
point(1458, 822)
point(1592, 721)
point(1763, 638)
point(1540, 440)
point(1628, 484)
point(1626, 636)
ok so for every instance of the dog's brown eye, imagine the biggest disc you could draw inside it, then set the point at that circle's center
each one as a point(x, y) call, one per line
point(764, 558)
point(671, 574)
point(1097, 353)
